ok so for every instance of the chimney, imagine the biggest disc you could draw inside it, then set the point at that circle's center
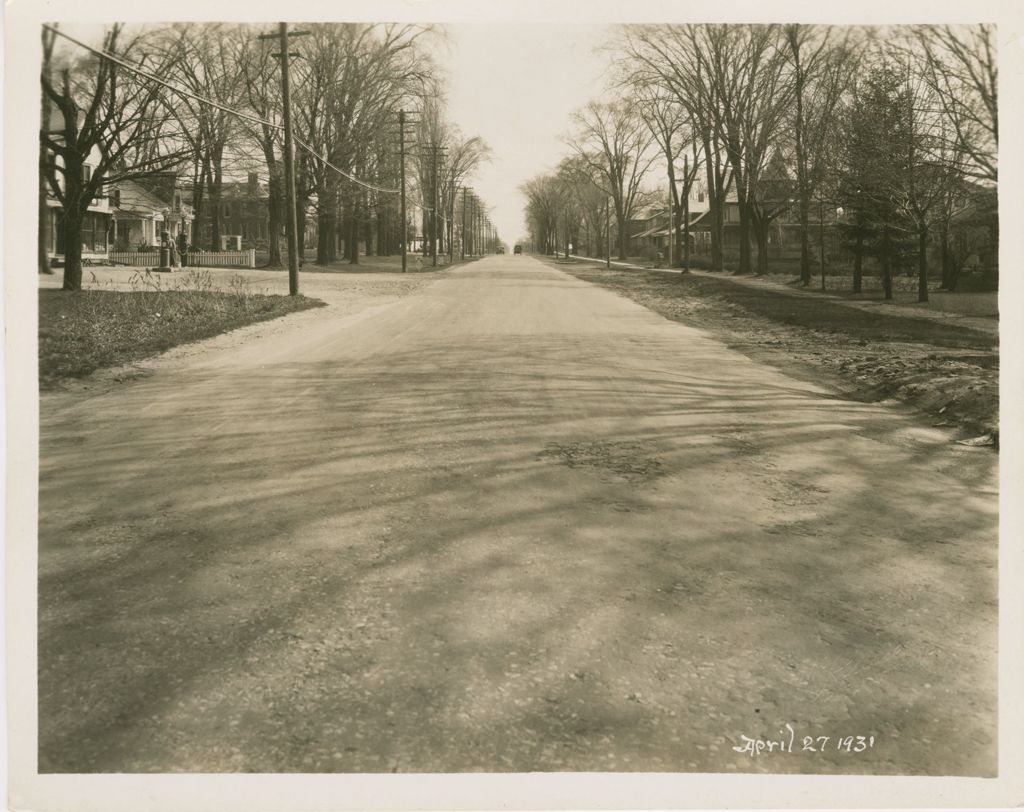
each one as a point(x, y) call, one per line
point(254, 184)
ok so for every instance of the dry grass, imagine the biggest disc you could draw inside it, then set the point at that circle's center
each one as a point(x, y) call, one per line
point(99, 327)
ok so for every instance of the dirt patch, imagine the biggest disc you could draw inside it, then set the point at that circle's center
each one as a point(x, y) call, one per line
point(949, 371)
point(621, 460)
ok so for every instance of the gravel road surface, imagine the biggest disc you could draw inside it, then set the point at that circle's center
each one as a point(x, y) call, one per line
point(506, 521)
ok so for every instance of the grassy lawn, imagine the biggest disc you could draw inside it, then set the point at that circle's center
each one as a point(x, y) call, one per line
point(80, 332)
point(830, 316)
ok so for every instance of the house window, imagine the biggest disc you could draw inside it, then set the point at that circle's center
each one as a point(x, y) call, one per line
point(226, 210)
point(86, 173)
point(94, 232)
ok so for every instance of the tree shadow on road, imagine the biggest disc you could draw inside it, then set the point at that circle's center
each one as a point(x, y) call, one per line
point(380, 566)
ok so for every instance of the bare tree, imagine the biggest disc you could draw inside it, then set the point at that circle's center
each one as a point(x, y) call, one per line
point(613, 140)
point(349, 90)
point(260, 73)
point(107, 110)
point(590, 201)
point(464, 156)
point(670, 127)
point(961, 67)
point(750, 100)
point(821, 67)
point(669, 57)
point(543, 198)
point(206, 66)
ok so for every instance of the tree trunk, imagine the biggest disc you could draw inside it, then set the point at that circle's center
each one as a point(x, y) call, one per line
point(673, 207)
point(216, 186)
point(716, 202)
point(954, 277)
point(275, 208)
point(761, 233)
point(744, 237)
point(198, 205)
point(945, 258)
point(922, 263)
point(805, 240)
point(324, 236)
point(858, 263)
point(369, 238)
point(352, 233)
point(383, 231)
point(301, 201)
point(72, 250)
point(43, 235)
point(801, 160)
point(42, 241)
point(886, 265)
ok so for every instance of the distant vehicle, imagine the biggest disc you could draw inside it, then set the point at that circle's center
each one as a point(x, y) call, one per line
point(517, 250)
point(501, 249)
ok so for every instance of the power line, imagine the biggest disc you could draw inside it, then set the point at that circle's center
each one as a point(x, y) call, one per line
point(231, 111)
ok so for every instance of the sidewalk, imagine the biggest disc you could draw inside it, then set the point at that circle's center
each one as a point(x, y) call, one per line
point(988, 325)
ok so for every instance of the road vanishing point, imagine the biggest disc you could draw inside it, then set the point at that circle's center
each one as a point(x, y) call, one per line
point(511, 522)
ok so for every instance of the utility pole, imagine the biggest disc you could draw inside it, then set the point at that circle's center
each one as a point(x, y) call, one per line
point(451, 222)
point(292, 222)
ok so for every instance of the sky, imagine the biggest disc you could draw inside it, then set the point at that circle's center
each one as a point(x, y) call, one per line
point(516, 85)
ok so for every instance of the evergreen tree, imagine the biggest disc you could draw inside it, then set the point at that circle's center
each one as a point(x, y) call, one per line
point(873, 176)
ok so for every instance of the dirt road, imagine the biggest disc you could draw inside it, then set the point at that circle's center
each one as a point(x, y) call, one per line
point(511, 521)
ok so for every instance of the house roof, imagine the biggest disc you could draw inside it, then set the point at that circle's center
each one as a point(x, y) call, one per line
point(663, 231)
point(239, 190)
point(651, 232)
point(648, 212)
point(136, 200)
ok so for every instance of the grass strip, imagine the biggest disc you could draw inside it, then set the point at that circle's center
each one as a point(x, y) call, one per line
point(80, 332)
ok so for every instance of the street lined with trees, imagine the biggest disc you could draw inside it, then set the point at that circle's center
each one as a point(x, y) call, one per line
point(205, 102)
point(543, 511)
point(887, 138)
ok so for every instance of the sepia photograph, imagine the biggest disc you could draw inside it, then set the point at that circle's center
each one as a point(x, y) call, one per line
point(413, 391)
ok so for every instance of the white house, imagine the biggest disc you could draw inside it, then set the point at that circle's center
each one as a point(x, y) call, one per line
point(95, 224)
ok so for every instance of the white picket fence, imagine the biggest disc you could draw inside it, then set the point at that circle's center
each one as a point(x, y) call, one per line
point(142, 259)
point(195, 259)
point(222, 259)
